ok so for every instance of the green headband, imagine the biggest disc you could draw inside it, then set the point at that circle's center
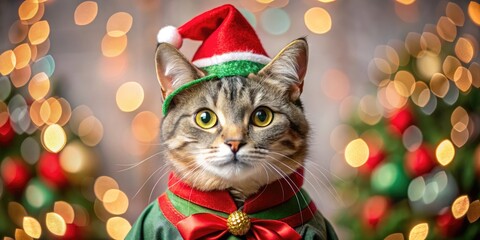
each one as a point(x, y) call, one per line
point(234, 68)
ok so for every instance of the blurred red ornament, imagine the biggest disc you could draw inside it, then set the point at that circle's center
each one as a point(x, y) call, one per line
point(6, 133)
point(73, 232)
point(400, 120)
point(419, 162)
point(15, 175)
point(447, 225)
point(50, 170)
point(375, 157)
point(374, 210)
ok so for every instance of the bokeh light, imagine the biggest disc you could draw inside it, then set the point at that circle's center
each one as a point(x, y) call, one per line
point(474, 69)
point(356, 152)
point(146, 126)
point(39, 86)
point(395, 236)
point(404, 83)
point(65, 210)
point(102, 185)
point(445, 152)
point(44, 64)
point(22, 55)
point(450, 65)
point(54, 138)
point(341, 135)
point(32, 227)
point(129, 96)
point(459, 119)
point(419, 232)
point(369, 110)
point(30, 150)
point(428, 64)
point(473, 213)
point(27, 10)
point(17, 212)
point(463, 79)
point(446, 29)
point(421, 94)
point(20, 77)
point(90, 131)
point(474, 12)
point(7, 62)
point(455, 13)
point(21, 235)
point(18, 32)
point(5, 90)
point(118, 227)
point(335, 84)
point(439, 85)
point(85, 13)
point(275, 21)
point(77, 160)
point(55, 224)
point(405, 2)
point(39, 32)
point(463, 49)
point(460, 206)
point(119, 24)
point(113, 46)
point(115, 201)
point(318, 20)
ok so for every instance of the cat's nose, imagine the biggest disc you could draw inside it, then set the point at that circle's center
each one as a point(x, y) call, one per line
point(234, 144)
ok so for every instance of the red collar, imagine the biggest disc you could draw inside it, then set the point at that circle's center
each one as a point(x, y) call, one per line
point(267, 197)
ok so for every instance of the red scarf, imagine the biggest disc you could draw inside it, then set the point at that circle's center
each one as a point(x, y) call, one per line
point(211, 226)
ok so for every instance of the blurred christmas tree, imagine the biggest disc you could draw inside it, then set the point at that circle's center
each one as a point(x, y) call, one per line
point(415, 145)
point(48, 183)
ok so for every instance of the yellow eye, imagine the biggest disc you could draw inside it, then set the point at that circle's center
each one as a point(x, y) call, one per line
point(262, 117)
point(206, 119)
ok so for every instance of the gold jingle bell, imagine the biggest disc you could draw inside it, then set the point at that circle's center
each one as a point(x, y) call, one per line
point(238, 223)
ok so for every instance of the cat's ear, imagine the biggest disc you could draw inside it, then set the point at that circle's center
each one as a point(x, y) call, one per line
point(173, 69)
point(287, 70)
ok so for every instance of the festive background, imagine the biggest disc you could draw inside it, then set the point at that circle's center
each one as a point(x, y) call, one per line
point(392, 94)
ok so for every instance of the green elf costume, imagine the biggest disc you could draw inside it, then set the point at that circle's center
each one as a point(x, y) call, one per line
point(280, 210)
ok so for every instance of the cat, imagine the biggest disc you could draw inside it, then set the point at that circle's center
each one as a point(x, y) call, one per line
point(241, 139)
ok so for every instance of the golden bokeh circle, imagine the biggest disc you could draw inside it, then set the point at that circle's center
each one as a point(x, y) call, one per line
point(318, 20)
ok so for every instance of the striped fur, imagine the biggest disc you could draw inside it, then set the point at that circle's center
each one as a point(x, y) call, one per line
point(202, 157)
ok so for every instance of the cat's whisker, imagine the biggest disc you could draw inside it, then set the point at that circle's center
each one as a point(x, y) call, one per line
point(151, 175)
point(329, 187)
point(134, 165)
point(156, 183)
point(287, 178)
point(191, 190)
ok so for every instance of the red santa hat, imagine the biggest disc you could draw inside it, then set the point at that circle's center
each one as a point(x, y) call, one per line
point(226, 34)
point(230, 46)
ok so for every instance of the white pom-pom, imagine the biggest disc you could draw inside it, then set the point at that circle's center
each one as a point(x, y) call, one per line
point(170, 34)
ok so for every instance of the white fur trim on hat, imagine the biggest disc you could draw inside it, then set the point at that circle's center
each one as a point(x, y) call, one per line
point(232, 56)
point(170, 34)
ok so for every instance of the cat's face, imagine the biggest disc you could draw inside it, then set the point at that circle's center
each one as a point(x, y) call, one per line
point(235, 131)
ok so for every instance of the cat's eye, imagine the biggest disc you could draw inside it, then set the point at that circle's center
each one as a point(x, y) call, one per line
point(262, 117)
point(206, 119)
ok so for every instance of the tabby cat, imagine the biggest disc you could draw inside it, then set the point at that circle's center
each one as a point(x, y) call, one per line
point(241, 139)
